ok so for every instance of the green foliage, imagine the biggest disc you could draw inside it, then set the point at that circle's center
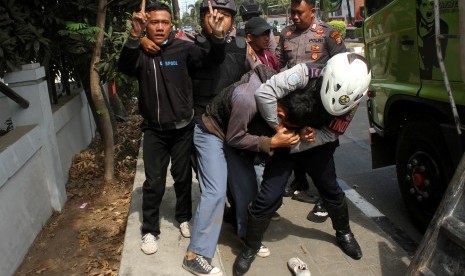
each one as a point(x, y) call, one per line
point(340, 26)
point(108, 65)
point(80, 31)
point(60, 35)
point(21, 39)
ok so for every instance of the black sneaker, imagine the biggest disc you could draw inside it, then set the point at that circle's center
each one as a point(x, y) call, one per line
point(303, 196)
point(319, 214)
point(200, 267)
point(275, 217)
point(288, 191)
point(294, 186)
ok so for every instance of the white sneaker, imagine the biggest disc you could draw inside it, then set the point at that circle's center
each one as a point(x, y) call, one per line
point(298, 267)
point(263, 251)
point(149, 244)
point(185, 229)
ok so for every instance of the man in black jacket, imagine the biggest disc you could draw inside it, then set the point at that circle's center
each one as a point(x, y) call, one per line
point(166, 104)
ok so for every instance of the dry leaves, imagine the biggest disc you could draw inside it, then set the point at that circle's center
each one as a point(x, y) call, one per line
point(86, 237)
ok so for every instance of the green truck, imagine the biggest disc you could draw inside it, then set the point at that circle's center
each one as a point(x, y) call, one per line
point(417, 96)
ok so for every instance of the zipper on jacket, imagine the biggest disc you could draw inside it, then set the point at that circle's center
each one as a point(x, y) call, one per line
point(156, 92)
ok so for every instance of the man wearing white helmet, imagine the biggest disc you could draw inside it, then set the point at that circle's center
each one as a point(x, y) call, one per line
point(337, 90)
point(307, 40)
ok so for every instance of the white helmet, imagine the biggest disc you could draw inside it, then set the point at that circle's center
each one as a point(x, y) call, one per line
point(346, 77)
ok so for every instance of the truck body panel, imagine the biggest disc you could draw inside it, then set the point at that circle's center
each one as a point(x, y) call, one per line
point(411, 117)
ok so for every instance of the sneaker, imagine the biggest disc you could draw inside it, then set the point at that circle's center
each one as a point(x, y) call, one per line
point(200, 267)
point(275, 216)
point(149, 244)
point(298, 267)
point(263, 251)
point(303, 196)
point(295, 186)
point(288, 191)
point(318, 214)
point(185, 229)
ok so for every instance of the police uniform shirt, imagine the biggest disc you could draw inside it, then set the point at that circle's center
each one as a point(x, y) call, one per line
point(317, 44)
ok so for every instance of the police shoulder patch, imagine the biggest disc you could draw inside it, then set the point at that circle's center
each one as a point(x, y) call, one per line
point(336, 36)
point(293, 79)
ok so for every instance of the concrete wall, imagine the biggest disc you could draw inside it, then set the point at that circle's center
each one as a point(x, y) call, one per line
point(34, 161)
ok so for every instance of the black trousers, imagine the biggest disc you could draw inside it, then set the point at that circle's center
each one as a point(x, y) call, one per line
point(159, 147)
point(318, 164)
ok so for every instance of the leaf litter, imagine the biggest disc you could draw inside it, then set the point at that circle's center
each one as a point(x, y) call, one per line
point(89, 240)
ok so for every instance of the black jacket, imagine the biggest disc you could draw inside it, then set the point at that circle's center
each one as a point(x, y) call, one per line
point(209, 81)
point(165, 87)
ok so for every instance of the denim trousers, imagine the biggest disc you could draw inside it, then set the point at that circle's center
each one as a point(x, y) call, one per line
point(212, 175)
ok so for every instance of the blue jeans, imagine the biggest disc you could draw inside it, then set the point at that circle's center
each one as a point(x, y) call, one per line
point(212, 175)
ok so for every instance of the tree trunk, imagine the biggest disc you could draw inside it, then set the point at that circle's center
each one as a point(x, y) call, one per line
point(115, 101)
point(349, 13)
point(176, 17)
point(103, 114)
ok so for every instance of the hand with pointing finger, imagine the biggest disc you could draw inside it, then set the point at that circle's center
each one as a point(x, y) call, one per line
point(138, 21)
point(216, 21)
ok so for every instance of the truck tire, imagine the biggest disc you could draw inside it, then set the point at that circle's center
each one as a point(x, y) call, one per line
point(423, 168)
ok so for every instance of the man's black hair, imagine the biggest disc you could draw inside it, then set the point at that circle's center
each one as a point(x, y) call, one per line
point(297, 105)
point(158, 6)
point(309, 2)
point(303, 107)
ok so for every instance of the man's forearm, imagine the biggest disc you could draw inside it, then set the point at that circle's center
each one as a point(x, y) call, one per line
point(217, 51)
point(129, 56)
point(276, 87)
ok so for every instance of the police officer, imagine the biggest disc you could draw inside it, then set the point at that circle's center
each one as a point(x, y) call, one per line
point(307, 40)
point(353, 75)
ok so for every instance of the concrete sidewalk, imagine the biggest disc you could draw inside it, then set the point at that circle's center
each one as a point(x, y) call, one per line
point(292, 236)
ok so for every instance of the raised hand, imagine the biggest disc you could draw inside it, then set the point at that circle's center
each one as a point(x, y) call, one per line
point(139, 21)
point(216, 21)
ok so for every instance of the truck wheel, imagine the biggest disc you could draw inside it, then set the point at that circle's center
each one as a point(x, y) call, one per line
point(423, 169)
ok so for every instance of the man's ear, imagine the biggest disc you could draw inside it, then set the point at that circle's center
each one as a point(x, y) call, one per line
point(281, 113)
point(248, 37)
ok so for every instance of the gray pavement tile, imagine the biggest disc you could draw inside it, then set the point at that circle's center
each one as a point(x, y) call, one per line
point(292, 236)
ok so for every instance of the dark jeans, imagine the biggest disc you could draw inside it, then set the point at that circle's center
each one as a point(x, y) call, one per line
point(300, 177)
point(318, 164)
point(159, 147)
